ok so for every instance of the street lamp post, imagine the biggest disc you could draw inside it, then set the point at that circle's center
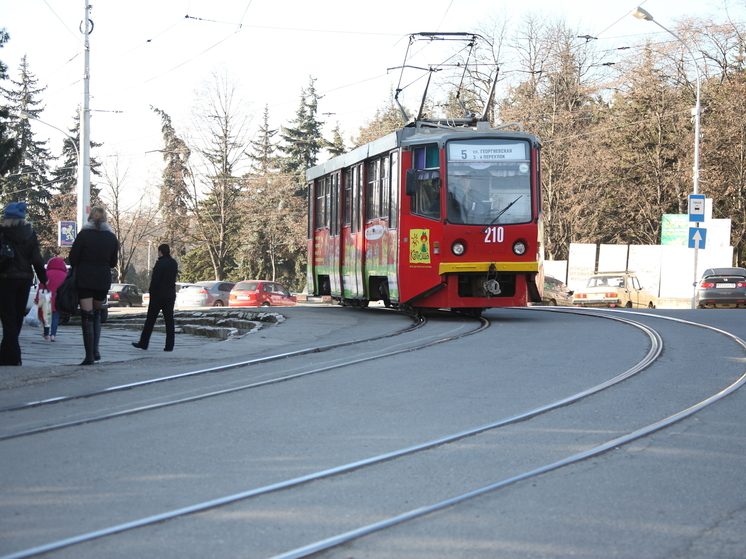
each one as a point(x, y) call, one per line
point(84, 174)
point(640, 13)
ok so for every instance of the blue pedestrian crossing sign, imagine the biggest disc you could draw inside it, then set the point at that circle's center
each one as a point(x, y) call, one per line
point(697, 237)
point(697, 207)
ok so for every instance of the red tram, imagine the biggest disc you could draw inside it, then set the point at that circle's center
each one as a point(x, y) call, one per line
point(429, 216)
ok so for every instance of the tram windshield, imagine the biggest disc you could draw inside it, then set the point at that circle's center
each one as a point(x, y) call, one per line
point(489, 182)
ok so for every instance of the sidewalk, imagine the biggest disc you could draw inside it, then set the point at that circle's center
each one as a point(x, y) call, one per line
point(67, 349)
point(200, 342)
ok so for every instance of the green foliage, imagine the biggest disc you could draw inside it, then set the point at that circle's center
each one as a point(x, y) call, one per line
point(263, 154)
point(196, 265)
point(174, 195)
point(29, 179)
point(10, 151)
point(302, 139)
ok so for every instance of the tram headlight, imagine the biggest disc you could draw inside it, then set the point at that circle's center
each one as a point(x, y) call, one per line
point(458, 248)
point(519, 248)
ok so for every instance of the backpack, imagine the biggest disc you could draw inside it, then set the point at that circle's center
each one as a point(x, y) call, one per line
point(7, 252)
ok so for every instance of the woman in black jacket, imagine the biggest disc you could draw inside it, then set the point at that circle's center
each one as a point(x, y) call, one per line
point(16, 276)
point(92, 256)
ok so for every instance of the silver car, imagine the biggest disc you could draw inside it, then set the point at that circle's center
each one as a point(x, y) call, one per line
point(556, 293)
point(205, 294)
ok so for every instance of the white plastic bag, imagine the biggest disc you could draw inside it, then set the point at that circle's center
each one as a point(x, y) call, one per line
point(45, 306)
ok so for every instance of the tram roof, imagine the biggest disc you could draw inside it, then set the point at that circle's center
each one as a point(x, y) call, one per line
point(410, 135)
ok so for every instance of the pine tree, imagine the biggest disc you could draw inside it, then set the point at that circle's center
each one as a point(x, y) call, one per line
point(263, 150)
point(336, 146)
point(63, 206)
point(63, 203)
point(29, 181)
point(10, 152)
point(303, 139)
point(174, 195)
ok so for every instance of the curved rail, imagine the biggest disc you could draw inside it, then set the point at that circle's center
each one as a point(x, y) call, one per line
point(419, 321)
point(484, 323)
point(351, 535)
point(656, 347)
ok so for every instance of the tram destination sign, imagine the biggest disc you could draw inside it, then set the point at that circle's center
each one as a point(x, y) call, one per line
point(486, 152)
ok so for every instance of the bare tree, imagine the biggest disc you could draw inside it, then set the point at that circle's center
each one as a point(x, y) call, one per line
point(216, 189)
point(133, 222)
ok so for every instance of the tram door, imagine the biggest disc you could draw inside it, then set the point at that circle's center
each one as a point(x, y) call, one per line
point(334, 236)
point(351, 237)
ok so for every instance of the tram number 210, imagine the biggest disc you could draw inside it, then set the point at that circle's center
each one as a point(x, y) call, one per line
point(494, 234)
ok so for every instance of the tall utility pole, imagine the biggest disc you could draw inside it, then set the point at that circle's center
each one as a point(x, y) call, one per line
point(84, 165)
point(639, 13)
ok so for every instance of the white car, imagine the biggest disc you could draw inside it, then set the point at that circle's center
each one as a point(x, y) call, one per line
point(614, 290)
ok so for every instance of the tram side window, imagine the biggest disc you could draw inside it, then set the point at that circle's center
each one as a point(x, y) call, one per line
point(385, 188)
point(357, 197)
point(319, 206)
point(424, 188)
point(394, 206)
point(423, 182)
point(334, 204)
point(322, 202)
point(373, 193)
point(347, 217)
point(310, 207)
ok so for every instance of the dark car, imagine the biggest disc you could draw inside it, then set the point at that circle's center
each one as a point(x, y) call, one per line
point(556, 292)
point(722, 288)
point(124, 295)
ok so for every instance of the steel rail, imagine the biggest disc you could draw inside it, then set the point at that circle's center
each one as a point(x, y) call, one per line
point(612, 444)
point(419, 321)
point(656, 347)
point(484, 323)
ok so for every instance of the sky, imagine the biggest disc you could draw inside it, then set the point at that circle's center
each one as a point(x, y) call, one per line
point(166, 53)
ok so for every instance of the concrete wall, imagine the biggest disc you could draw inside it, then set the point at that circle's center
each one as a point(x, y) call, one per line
point(667, 271)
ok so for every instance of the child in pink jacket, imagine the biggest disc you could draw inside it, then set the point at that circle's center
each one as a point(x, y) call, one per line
point(56, 274)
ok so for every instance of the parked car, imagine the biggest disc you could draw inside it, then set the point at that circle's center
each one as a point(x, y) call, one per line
point(722, 288)
point(614, 289)
point(260, 293)
point(146, 295)
point(205, 294)
point(556, 292)
point(124, 295)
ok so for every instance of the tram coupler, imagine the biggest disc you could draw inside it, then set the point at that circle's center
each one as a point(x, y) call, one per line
point(491, 285)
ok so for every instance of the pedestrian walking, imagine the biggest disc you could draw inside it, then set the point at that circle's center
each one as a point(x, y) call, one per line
point(56, 274)
point(92, 256)
point(20, 252)
point(162, 299)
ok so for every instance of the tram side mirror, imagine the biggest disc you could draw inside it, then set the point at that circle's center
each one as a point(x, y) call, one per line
point(411, 182)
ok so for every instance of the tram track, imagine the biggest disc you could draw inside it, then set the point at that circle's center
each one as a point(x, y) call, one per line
point(656, 347)
point(420, 321)
point(337, 540)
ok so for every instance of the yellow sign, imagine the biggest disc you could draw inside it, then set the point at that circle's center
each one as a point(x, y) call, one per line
point(419, 246)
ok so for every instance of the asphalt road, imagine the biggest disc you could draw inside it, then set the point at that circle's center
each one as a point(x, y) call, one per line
point(678, 492)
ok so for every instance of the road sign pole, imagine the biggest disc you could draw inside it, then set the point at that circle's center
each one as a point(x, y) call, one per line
point(694, 283)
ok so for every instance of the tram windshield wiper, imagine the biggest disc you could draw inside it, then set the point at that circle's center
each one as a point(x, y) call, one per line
point(505, 209)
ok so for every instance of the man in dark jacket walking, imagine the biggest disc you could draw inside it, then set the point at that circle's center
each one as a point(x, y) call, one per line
point(16, 277)
point(162, 298)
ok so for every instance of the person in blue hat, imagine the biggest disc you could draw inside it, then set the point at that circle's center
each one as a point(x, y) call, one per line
point(22, 257)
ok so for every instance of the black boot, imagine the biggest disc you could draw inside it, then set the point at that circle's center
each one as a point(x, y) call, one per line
point(86, 323)
point(96, 333)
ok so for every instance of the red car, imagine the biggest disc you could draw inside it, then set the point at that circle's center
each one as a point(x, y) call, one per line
point(260, 293)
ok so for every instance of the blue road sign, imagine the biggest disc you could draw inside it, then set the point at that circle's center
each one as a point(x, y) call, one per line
point(697, 207)
point(697, 237)
point(66, 232)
